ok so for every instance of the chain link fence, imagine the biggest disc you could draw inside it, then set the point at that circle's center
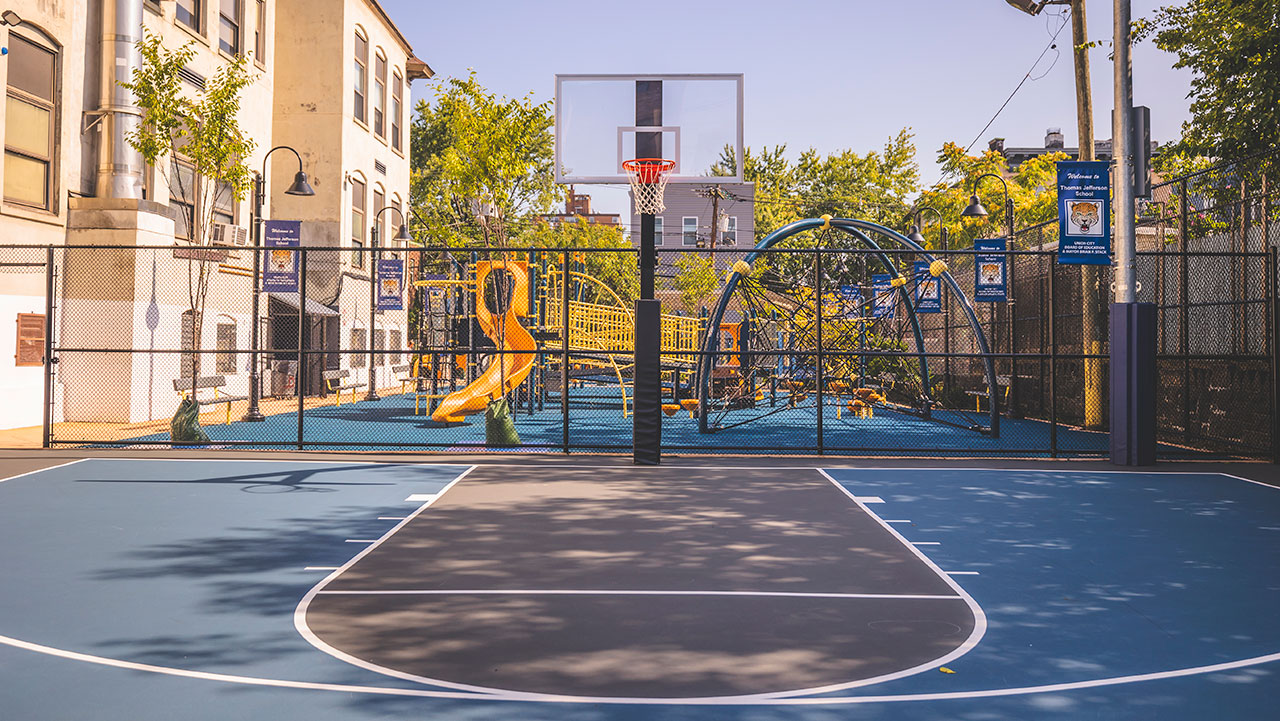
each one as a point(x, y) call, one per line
point(827, 344)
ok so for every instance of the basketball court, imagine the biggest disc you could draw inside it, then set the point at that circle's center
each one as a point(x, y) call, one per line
point(185, 587)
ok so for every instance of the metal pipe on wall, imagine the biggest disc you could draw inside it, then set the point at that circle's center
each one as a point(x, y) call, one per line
point(120, 167)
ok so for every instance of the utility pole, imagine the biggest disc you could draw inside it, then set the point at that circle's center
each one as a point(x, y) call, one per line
point(1091, 337)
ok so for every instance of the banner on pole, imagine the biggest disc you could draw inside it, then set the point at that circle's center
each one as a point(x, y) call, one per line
point(280, 271)
point(1084, 220)
point(852, 297)
point(390, 279)
point(882, 295)
point(989, 266)
point(928, 289)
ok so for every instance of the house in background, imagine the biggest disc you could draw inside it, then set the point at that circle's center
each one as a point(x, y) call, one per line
point(689, 221)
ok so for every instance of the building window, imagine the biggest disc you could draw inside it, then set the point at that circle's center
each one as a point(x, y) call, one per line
point(657, 230)
point(260, 34)
point(397, 103)
point(362, 79)
point(689, 230)
point(396, 340)
point(182, 196)
point(379, 95)
point(380, 218)
point(188, 369)
point(30, 346)
point(188, 13)
point(224, 203)
point(229, 27)
point(380, 343)
point(226, 348)
point(730, 234)
point(29, 129)
point(357, 223)
point(358, 343)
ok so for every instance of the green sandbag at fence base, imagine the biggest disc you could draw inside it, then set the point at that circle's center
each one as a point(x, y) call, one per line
point(499, 428)
point(185, 426)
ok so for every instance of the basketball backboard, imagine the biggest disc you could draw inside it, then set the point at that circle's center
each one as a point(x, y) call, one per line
point(602, 120)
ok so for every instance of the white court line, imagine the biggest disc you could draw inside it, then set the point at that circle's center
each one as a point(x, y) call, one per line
point(926, 543)
point(868, 499)
point(360, 540)
point(604, 592)
point(962, 573)
point(898, 521)
point(42, 470)
point(421, 498)
point(321, 568)
point(391, 518)
point(820, 701)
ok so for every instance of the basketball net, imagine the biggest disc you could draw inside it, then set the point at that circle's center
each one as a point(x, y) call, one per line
point(648, 178)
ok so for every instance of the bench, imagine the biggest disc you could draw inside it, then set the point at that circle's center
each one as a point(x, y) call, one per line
point(333, 382)
point(183, 386)
point(1005, 382)
point(406, 375)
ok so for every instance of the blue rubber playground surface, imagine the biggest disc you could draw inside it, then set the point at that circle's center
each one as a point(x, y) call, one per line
point(596, 422)
point(165, 589)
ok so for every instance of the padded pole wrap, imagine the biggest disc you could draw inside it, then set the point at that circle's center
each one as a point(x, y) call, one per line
point(647, 397)
point(1133, 384)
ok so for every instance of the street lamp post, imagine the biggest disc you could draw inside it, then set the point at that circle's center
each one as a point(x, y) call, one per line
point(301, 187)
point(403, 236)
point(975, 210)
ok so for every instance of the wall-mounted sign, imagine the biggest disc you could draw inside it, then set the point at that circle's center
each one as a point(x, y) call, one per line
point(928, 289)
point(1084, 220)
point(990, 284)
point(280, 266)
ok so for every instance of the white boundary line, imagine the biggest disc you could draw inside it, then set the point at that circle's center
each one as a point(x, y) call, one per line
point(605, 592)
point(822, 701)
point(42, 470)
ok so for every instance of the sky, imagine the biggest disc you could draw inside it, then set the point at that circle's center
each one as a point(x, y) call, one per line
point(823, 74)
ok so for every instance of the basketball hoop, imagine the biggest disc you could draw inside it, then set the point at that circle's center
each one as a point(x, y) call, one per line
point(648, 178)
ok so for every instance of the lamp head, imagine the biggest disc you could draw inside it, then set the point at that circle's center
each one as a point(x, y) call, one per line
point(915, 236)
point(975, 209)
point(9, 17)
point(403, 236)
point(300, 185)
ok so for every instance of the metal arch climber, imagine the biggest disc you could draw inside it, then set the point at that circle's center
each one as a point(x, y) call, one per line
point(859, 230)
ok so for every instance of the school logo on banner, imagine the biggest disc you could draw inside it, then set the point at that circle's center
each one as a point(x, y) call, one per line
point(1084, 220)
point(990, 264)
point(390, 278)
point(280, 266)
point(928, 289)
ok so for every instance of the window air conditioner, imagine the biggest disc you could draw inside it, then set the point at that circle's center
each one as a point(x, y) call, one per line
point(227, 234)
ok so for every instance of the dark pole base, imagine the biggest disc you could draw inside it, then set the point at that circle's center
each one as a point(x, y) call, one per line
point(253, 415)
point(647, 394)
point(1133, 384)
point(371, 396)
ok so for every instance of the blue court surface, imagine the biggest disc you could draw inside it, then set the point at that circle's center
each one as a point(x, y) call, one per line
point(176, 589)
point(596, 421)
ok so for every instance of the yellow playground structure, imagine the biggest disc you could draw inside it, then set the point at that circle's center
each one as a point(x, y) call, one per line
point(598, 323)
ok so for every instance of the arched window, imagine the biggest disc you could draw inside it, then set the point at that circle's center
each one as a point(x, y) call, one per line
point(397, 109)
point(380, 93)
point(361, 80)
point(358, 214)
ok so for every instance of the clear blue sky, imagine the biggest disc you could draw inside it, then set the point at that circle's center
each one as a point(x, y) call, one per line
point(827, 74)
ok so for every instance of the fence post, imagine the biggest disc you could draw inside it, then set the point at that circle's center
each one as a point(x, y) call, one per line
point(1273, 338)
point(1185, 302)
point(299, 380)
point(1053, 367)
point(564, 346)
point(49, 359)
point(817, 370)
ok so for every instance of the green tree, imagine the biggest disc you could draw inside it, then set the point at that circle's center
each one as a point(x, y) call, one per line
point(481, 164)
point(1033, 190)
point(1232, 48)
point(615, 269)
point(695, 280)
point(204, 131)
